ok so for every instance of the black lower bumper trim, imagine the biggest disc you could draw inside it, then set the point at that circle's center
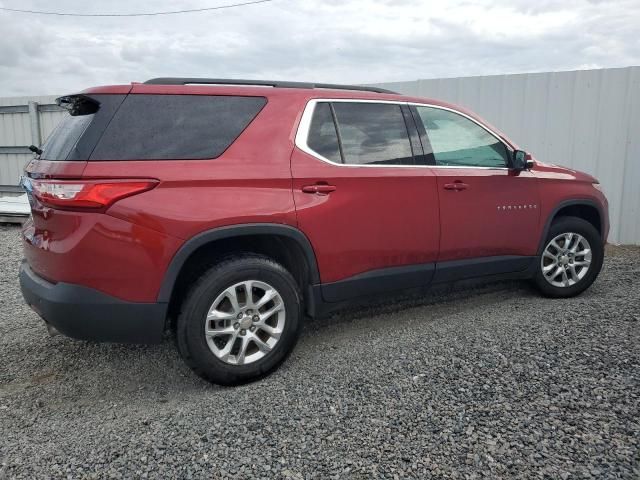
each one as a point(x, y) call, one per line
point(87, 314)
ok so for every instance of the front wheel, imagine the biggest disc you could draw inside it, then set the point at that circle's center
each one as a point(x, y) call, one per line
point(571, 259)
point(240, 320)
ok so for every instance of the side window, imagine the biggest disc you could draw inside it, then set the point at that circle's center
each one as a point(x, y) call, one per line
point(458, 141)
point(177, 127)
point(373, 133)
point(323, 138)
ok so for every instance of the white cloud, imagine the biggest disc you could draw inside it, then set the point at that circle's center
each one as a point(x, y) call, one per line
point(357, 41)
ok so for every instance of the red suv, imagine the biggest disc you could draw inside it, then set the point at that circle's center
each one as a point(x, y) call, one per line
point(225, 211)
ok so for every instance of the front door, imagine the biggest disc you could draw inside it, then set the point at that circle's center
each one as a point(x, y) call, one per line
point(487, 209)
point(370, 212)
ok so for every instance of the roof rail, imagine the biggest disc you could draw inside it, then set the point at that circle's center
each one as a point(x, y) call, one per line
point(262, 83)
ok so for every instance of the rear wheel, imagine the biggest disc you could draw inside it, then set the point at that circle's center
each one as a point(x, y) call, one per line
point(571, 259)
point(240, 320)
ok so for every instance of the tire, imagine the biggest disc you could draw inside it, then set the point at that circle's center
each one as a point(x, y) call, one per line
point(574, 281)
point(209, 355)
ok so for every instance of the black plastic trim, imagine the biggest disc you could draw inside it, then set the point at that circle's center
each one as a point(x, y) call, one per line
point(335, 126)
point(265, 83)
point(87, 314)
point(454, 270)
point(209, 236)
point(587, 202)
point(323, 299)
point(378, 281)
point(427, 157)
point(416, 146)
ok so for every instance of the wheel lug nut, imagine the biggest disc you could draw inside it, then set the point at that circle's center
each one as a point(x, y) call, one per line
point(243, 332)
point(236, 325)
point(249, 312)
point(256, 318)
point(239, 316)
point(253, 329)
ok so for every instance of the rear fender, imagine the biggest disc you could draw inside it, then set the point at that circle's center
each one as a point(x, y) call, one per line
point(191, 245)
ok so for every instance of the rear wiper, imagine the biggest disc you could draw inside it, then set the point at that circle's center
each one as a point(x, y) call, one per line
point(35, 149)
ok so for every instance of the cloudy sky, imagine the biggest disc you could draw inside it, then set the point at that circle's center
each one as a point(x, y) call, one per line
point(346, 41)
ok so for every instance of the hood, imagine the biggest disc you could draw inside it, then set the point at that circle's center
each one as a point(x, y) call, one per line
point(563, 172)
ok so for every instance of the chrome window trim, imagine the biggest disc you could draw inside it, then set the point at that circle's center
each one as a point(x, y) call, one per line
point(302, 134)
point(305, 124)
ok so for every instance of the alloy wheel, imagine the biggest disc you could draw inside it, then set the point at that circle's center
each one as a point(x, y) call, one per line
point(566, 260)
point(245, 322)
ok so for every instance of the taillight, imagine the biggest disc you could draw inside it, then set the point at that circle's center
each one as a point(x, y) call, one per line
point(87, 194)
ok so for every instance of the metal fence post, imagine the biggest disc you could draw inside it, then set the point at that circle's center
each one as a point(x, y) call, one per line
point(34, 121)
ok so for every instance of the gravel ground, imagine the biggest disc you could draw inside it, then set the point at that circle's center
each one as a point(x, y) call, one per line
point(495, 382)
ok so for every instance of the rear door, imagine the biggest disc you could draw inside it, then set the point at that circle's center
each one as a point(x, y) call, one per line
point(367, 204)
point(487, 209)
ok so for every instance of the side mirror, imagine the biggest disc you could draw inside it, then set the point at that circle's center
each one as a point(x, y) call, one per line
point(521, 160)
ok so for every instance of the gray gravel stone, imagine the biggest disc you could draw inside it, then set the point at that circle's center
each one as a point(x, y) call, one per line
point(490, 382)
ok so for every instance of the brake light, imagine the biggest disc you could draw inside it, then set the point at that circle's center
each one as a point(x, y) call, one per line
point(88, 194)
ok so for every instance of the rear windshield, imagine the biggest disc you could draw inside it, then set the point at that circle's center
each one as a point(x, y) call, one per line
point(147, 127)
point(76, 135)
point(66, 135)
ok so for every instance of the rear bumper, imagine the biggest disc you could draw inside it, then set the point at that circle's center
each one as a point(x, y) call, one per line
point(87, 314)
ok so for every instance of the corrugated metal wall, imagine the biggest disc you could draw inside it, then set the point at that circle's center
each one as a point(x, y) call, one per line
point(588, 120)
point(16, 132)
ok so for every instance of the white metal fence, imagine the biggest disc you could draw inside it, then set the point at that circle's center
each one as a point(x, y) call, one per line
point(588, 120)
point(24, 121)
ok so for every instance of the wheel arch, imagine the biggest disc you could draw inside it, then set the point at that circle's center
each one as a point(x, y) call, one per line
point(586, 209)
point(283, 243)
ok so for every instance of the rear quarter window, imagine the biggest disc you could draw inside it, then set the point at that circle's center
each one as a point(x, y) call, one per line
point(160, 127)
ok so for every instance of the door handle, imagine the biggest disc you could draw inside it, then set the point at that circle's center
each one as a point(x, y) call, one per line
point(457, 186)
point(321, 189)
